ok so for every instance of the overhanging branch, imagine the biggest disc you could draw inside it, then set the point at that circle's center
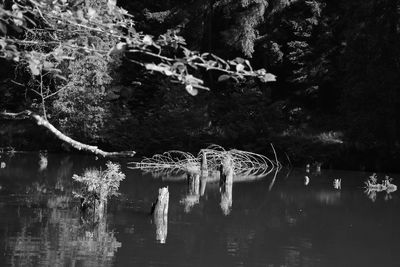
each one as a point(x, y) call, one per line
point(75, 144)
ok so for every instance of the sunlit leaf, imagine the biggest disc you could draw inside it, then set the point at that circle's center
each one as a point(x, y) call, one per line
point(48, 65)
point(269, 77)
point(34, 67)
point(223, 77)
point(147, 40)
point(120, 45)
point(191, 90)
point(239, 67)
point(91, 13)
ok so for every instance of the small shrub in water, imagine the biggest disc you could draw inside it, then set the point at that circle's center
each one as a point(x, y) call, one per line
point(99, 185)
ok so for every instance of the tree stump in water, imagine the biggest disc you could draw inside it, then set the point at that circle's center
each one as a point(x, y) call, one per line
point(203, 165)
point(160, 213)
point(226, 181)
point(226, 170)
point(160, 207)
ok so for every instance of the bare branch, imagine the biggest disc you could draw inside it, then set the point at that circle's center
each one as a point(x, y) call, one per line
point(75, 144)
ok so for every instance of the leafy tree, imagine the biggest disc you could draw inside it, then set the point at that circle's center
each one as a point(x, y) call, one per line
point(82, 38)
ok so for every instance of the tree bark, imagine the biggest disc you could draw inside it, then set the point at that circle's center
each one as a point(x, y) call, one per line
point(226, 170)
point(75, 144)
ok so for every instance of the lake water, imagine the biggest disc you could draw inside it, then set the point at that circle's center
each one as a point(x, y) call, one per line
point(254, 224)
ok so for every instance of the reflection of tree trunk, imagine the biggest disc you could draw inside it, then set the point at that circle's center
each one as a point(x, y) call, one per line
point(194, 184)
point(161, 228)
point(75, 144)
point(226, 198)
point(193, 196)
point(203, 184)
point(102, 207)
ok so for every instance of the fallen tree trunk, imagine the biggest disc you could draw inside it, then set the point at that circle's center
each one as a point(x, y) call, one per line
point(75, 144)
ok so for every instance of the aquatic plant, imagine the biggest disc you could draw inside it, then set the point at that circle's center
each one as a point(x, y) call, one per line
point(99, 185)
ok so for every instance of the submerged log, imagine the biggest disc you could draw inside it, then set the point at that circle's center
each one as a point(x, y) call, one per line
point(226, 170)
point(41, 121)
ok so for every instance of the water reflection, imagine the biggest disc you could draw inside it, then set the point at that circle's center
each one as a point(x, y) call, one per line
point(290, 225)
point(337, 184)
point(192, 197)
point(49, 230)
point(373, 193)
point(226, 198)
point(56, 236)
point(43, 161)
point(161, 223)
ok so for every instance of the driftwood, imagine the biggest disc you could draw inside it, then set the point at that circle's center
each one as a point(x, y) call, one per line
point(41, 121)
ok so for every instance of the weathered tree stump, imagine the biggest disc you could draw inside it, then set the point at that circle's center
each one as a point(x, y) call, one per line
point(160, 214)
point(203, 165)
point(226, 170)
point(160, 207)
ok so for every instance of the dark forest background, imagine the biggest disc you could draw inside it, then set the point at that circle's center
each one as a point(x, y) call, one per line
point(335, 100)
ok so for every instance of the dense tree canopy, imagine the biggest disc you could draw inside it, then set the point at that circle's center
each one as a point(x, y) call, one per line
point(336, 63)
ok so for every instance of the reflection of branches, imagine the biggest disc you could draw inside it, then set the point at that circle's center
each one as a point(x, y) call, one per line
point(371, 194)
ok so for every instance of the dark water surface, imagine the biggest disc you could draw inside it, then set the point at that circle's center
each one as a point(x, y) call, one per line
point(289, 225)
